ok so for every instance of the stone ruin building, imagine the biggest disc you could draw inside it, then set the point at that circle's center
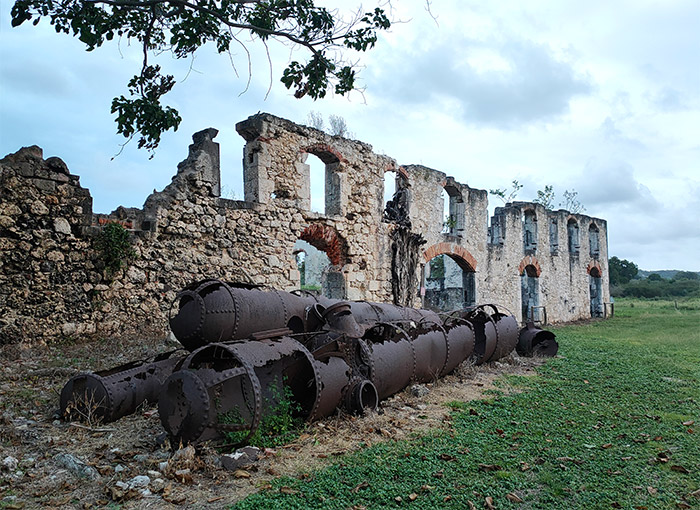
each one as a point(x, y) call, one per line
point(432, 245)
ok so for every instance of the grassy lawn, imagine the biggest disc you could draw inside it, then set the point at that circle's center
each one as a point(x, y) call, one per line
point(614, 422)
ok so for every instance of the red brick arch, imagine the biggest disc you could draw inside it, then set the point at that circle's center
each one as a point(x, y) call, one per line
point(530, 261)
point(594, 269)
point(326, 239)
point(453, 250)
point(325, 153)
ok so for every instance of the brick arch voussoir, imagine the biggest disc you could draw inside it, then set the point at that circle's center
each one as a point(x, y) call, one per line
point(594, 264)
point(452, 250)
point(325, 152)
point(530, 261)
point(326, 238)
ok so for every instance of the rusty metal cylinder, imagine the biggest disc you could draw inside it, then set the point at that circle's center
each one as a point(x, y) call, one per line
point(229, 387)
point(372, 313)
point(534, 341)
point(361, 394)
point(430, 345)
point(213, 311)
point(460, 346)
point(393, 358)
point(485, 336)
point(399, 355)
point(111, 394)
point(507, 331)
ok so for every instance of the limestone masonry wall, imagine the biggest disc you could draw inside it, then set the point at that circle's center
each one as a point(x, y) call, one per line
point(54, 283)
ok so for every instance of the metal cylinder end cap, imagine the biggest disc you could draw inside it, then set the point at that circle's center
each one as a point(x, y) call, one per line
point(184, 407)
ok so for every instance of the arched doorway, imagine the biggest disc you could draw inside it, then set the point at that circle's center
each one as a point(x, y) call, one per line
point(449, 284)
point(448, 279)
point(530, 294)
point(324, 256)
point(595, 285)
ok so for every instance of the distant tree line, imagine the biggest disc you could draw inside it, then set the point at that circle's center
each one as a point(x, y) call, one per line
point(625, 282)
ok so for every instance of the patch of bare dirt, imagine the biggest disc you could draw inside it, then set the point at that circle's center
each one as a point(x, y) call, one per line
point(48, 463)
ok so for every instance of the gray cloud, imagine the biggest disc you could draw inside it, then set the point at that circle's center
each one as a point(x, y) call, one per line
point(609, 183)
point(669, 99)
point(536, 86)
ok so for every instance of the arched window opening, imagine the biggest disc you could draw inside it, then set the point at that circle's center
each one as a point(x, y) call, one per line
point(449, 284)
point(553, 236)
point(573, 237)
point(596, 292)
point(529, 232)
point(594, 240)
point(317, 184)
point(530, 292)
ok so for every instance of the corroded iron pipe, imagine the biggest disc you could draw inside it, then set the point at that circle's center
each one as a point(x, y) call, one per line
point(341, 370)
point(111, 394)
point(254, 350)
point(534, 341)
point(215, 311)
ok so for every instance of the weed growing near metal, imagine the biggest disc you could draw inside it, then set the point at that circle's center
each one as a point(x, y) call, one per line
point(281, 426)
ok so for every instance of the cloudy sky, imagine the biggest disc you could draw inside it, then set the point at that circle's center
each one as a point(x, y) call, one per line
point(599, 97)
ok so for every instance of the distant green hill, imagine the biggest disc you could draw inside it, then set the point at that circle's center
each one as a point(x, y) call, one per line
point(664, 273)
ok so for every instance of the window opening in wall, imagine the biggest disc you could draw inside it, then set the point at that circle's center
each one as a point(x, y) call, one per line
point(396, 199)
point(553, 236)
point(596, 293)
point(573, 237)
point(447, 220)
point(453, 211)
point(449, 284)
point(530, 232)
point(594, 241)
point(300, 258)
point(231, 168)
point(497, 230)
point(317, 183)
point(530, 292)
point(389, 186)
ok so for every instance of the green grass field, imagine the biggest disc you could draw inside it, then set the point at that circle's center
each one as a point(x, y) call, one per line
point(614, 422)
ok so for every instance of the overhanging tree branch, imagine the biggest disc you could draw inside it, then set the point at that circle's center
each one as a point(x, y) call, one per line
point(183, 26)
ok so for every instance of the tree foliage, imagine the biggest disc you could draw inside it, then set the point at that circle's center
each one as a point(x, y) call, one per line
point(545, 197)
point(506, 195)
point(336, 124)
point(658, 288)
point(621, 271)
point(571, 203)
point(183, 26)
point(686, 275)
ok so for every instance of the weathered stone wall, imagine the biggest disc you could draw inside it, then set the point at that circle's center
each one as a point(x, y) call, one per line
point(53, 282)
point(563, 276)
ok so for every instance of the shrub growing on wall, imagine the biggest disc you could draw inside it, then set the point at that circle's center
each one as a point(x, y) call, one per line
point(114, 246)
